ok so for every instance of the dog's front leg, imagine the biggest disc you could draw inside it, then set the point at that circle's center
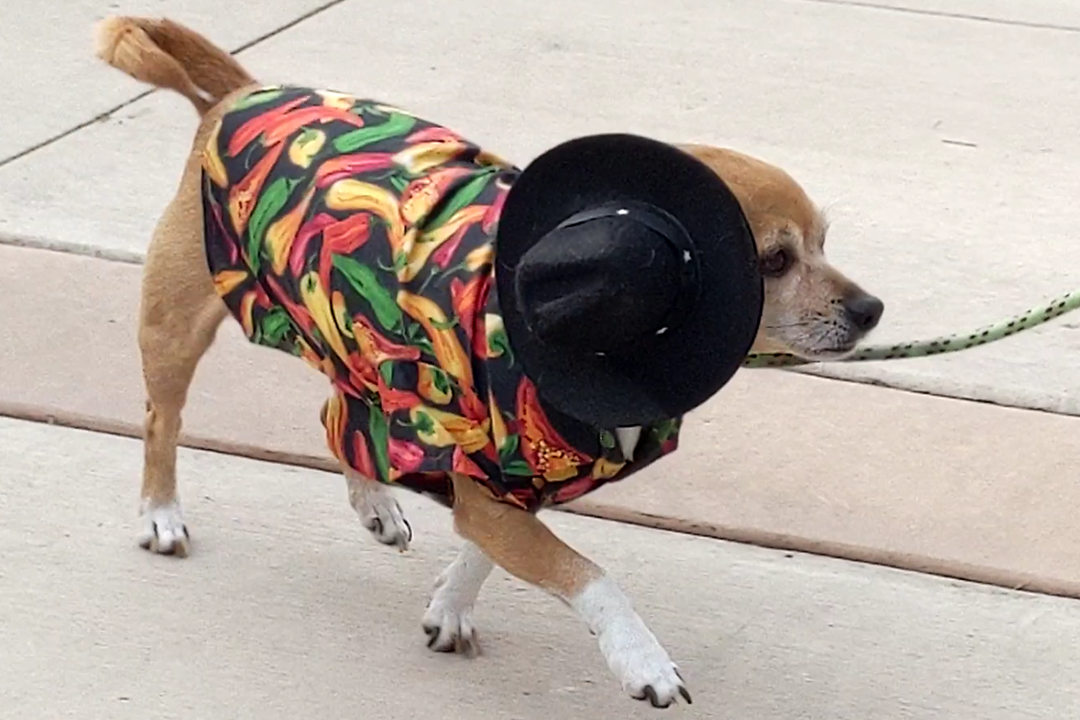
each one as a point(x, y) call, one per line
point(523, 546)
point(448, 619)
point(379, 510)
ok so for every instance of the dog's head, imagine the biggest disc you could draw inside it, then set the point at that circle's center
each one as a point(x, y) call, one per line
point(811, 309)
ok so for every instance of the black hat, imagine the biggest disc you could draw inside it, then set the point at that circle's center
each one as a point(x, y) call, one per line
point(627, 278)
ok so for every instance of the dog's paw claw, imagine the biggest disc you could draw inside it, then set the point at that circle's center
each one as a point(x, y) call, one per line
point(163, 530)
point(450, 631)
point(387, 524)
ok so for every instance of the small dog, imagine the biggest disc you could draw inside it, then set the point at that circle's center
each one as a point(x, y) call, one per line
point(810, 310)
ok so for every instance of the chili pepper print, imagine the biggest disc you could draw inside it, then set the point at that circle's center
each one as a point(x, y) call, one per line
point(440, 428)
point(211, 159)
point(547, 453)
point(355, 195)
point(393, 400)
point(226, 281)
point(397, 124)
point(345, 166)
point(361, 460)
point(282, 232)
point(296, 311)
point(366, 283)
point(573, 490)
point(433, 134)
point(376, 347)
point(405, 456)
point(433, 385)
point(494, 211)
point(283, 127)
point(313, 295)
point(341, 101)
point(242, 195)
point(462, 463)
point(446, 346)
point(449, 233)
point(423, 193)
point(342, 238)
point(467, 299)
point(253, 128)
point(305, 146)
point(604, 469)
point(416, 159)
point(335, 418)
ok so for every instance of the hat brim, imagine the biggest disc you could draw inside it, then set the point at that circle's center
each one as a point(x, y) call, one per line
point(674, 371)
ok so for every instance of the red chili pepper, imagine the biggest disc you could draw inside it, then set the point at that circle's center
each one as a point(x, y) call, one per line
point(342, 238)
point(446, 251)
point(345, 166)
point(432, 134)
point(463, 464)
point(573, 489)
point(296, 311)
point(298, 252)
point(467, 299)
point(385, 349)
point(285, 126)
point(406, 456)
point(362, 462)
point(394, 399)
point(541, 445)
point(254, 127)
point(494, 211)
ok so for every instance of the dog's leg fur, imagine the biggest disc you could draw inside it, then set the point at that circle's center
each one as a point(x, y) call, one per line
point(523, 546)
point(379, 510)
point(448, 620)
point(180, 310)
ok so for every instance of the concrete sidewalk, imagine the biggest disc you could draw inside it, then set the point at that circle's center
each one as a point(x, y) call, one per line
point(288, 609)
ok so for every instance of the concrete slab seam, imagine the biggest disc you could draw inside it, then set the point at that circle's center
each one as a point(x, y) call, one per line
point(748, 536)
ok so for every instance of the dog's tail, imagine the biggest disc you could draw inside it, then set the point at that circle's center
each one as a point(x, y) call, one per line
point(167, 54)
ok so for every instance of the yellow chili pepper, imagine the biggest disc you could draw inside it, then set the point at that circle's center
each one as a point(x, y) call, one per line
point(211, 158)
point(280, 235)
point(228, 280)
point(444, 341)
point(417, 255)
point(313, 295)
point(429, 384)
point(439, 428)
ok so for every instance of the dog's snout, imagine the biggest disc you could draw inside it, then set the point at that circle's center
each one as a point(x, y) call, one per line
point(864, 311)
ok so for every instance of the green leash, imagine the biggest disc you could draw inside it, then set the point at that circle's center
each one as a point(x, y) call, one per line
point(944, 344)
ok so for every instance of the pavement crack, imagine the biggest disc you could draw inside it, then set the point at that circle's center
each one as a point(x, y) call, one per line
point(947, 14)
point(102, 116)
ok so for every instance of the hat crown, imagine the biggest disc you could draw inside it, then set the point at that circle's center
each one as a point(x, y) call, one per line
point(605, 278)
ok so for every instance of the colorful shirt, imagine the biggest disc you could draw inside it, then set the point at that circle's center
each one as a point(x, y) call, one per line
point(361, 238)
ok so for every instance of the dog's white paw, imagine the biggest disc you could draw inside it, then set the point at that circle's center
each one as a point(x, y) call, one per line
point(641, 664)
point(163, 530)
point(380, 512)
point(632, 652)
point(449, 626)
point(448, 621)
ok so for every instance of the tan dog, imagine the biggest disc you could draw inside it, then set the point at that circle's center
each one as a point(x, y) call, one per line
point(810, 310)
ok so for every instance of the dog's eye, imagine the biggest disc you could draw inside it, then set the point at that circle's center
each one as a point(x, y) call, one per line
point(776, 262)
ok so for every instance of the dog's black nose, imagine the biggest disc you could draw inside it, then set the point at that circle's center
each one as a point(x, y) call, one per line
point(864, 311)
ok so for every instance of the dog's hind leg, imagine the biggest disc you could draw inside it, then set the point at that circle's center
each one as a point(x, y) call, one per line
point(179, 316)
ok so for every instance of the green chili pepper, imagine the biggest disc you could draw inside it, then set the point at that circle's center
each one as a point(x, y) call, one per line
point(257, 98)
point(499, 343)
point(462, 198)
point(380, 440)
point(272, 200)
point(364, 281)
point(518, 467)
point(396, 124)
point(275, 325)
point(508, 448)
